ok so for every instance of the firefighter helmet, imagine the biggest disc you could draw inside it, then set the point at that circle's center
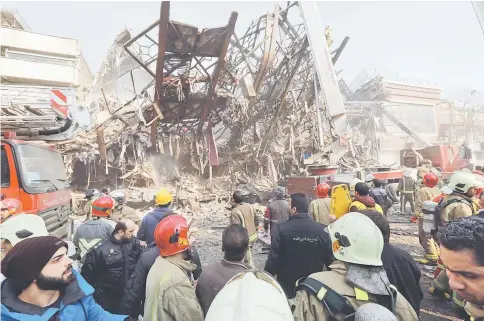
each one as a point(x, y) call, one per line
point(163, 197)
point(9, 207)
point(461, 182)
point(250, 295)
point(119, 196)
point(92, 193)
point(356, 239)
point(102, 206)
point(171, 235)
point(322, 190)
point(430, 180)
point(23, 226)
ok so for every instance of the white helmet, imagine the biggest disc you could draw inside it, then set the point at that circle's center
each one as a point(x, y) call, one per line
point(369, 178)
point(250, 296)
point(461, 182)
point(22, 226)
point(374, 312)
point(356, 239)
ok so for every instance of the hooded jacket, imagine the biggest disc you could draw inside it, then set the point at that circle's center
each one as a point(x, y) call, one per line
point(108, 267)
point(170, 295)
point(134, 292)
point(77, 305)
point(363, 203)
point(149, 222)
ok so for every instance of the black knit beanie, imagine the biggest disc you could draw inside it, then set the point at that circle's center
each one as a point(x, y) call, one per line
point(26, 259)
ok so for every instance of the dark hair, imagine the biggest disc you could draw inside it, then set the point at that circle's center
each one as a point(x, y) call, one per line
point(377, 182)
point(380, 221)
point(163, 205)
point(120, 226)
point(235, 242)
point(105, 190)
point(362, 188)
point(300, 202)
point(238, 197)
point(466, 233)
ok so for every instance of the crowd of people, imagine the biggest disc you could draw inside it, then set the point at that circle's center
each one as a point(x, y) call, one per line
point(319, 267)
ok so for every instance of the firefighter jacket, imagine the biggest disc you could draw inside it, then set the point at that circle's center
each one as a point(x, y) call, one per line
point(425, 193)
point(464, 207)
point(319, 210)
point(475, 312)
point(107, 268)
point(244, 214)
point(91, 233)
point(363, 203)
point(170, 295)
point(407, 185)
point(309, 308)
point(277, 212)
point(124, 211)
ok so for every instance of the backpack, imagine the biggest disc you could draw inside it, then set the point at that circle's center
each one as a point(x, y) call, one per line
point(337, 304)
point(441, 205)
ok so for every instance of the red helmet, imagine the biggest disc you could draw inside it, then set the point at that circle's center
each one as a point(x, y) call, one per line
point(12, 205)
point(478, 172)
point(322, 190)
point(102, 206)
point(430, 179)
point(171, 235)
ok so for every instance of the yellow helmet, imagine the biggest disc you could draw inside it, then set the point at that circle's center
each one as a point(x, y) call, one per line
point(163, 197)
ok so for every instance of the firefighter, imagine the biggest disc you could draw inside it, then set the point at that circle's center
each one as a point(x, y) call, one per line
point(406, 187)
point(363, 200)
point(462, 254)
point(121, 210)
point(170, 295)
point(97, 229)
point(244, 214)
point(319, 209)
point(424, 168)
point(10, 207)
point(90, 195)
point(277, 212)
point(149, 222)
point(356, 277)
point(427, 193)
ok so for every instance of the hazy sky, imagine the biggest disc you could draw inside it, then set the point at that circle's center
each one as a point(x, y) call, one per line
point(439, 43)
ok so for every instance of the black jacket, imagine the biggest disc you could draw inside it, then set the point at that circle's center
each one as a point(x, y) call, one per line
point(108, 267)
point(135, 290)
point(299, 248)
point(404, 273)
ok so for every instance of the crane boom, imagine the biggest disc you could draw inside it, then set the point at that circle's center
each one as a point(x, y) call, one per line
point(479, 10)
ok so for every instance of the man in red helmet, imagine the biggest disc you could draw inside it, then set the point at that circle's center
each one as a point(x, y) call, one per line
point(428, 192)
point(9, 207)
point(319, 209)
point(170, 295)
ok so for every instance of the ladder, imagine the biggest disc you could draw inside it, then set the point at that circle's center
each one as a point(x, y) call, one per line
point(479, 10)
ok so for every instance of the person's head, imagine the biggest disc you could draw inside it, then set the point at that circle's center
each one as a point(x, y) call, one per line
point(356, 239)
point(39, 262)
point(92, 194)
point(102, 206)
point(430, 180)
point(377, 183)
point(235, 242)
point(163, 198)
point(362, 189)
point(124, 229)
point(279, 192)
point(322, 190)
point(119, 197)
point(298, 203)
point(10, 207)
point(238, 197)
point(462, 253)
point(380, 221)
point(106, 190)
point(374, 312)
point(369, 179)
point(171, 236)
point(20, 227)
point(464, 183)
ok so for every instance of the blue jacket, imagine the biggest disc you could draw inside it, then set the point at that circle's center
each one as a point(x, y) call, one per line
point(77, 305)
point(149, 222)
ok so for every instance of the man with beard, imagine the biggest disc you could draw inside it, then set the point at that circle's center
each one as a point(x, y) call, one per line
point(109, 265)
point(462, 254)
point(41, 285)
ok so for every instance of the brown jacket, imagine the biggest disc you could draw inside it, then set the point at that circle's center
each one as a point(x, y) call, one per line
point(309, 308)
point(319, 210)
point(126, 212)
point(456, 210)
point(425, 194)
point(244, 214)
point(213, 279)
point(475, 312)
point(170, 295)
